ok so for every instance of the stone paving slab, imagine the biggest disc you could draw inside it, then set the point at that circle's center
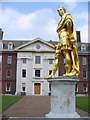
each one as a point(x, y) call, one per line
point(49, 119)
point(29, 106)
point(33, 106)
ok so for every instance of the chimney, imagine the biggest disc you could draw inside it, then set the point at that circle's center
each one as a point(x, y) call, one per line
point(78, 36)
point(1, 34)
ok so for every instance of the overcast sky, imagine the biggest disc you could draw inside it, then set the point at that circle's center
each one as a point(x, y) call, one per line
point(29, 20)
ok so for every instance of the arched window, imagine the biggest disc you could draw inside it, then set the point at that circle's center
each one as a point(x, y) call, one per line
point(10, 45)
point(83, 48)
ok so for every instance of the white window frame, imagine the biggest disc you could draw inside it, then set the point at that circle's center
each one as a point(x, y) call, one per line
point(83, 87)
point(0, 59)
point(37, 59)
point(83, 48)
point(25, 73)
point(49, 87)
point(50, 71)
point(84, 60)
point(9, 87)
point(40, 73)
point(24, 60)
point(10, 46)
point(76, 89)
point(86, 74)
point(0, 72)
point(9, 60)
point(23, 85)
point(10, 73)
point(50, 61)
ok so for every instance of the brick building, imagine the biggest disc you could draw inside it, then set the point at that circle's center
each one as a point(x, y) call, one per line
point(1, 36)
point(9, 66)
point(8, 72)
point(9, 56)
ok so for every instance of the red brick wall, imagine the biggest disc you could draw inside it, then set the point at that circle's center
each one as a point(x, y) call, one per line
point(82, 68)
point(6, 66)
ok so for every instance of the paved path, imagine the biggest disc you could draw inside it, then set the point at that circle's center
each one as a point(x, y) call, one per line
point(33, 106)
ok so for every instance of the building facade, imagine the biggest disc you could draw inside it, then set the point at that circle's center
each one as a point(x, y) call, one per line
point(24, 64)
point(1, 37)
point(8, 63)
point(34, 62)
point(9, 72)
point(84, 53)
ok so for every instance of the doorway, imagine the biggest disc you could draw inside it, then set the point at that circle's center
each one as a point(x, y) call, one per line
point(37, 87)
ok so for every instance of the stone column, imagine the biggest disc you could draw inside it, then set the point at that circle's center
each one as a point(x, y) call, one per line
point(18, 80)
point(29, 77)
point(45, 67)
point(45, 73)
point(62, 98)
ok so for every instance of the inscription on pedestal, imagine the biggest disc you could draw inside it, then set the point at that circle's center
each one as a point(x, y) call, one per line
point(54, 96)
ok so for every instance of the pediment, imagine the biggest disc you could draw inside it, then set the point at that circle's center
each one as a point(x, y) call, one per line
point(37, 45)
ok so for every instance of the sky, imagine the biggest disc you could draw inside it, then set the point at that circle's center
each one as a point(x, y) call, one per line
point(29, 20)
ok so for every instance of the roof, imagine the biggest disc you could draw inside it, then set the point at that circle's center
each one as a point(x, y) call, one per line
point(16, 43)
point(33, 41)
point(22, 43)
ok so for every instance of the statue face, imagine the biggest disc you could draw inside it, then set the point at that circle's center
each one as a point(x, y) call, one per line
point(61, 11)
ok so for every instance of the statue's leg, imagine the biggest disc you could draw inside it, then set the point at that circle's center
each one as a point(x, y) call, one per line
point(68, 61)
point(55, 65)
point(73, 60)
point(75, 68)
point(70, 65)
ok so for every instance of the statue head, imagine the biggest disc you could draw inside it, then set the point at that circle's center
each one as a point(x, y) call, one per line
point(61, 10)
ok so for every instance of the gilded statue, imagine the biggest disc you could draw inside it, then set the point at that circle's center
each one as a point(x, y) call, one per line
point(67, 46)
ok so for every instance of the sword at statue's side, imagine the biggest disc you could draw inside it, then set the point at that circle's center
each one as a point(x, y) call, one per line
point(53, 43)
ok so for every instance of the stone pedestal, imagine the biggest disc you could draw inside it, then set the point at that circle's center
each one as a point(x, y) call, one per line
point(62, 98)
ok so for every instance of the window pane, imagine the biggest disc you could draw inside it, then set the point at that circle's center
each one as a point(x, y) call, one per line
point(85, 87)
point(84, 74)
point(24, 60)
point(0, 72)
point(76, 87)
point(83, 48)
point(9, 60)
point(0, 59)
point(37, 73)
point(7, 86)
point(49, 87)
point(37, 59)
point(23, 86)
point(8, 72)
point(10, 46)
point(84, 60)
point(51, 61)
point(50, 71)
point(23, 89)
point(23, 73)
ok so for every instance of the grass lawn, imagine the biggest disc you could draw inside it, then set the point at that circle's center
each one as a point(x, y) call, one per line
point(0, 103)
point(7, 101)
point(83, 102)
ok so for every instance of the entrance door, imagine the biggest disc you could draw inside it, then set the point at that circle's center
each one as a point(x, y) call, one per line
point(37, 88)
